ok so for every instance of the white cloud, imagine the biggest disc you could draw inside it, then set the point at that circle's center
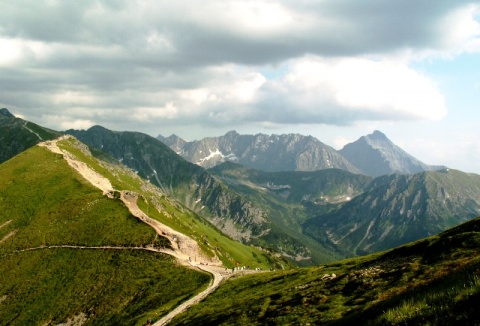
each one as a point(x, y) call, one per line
point(19, 51)
point(335, 90)
point(75, 98)
point(461, 29)
point(182, 63)
point(76, 124)
point(340, 142)
point(241, 17)
point(146, 114)
point(385, 88)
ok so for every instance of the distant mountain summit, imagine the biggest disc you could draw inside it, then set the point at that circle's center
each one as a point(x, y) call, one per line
point(272, 153)
point(174, 142)
point(376, 155)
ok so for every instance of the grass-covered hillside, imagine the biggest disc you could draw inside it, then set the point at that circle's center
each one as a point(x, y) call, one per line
point(55, 230)
point(161, 207)
point(45, 203)
point(435, 281)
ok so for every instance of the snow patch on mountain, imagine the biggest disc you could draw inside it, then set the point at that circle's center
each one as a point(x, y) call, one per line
point(215, 153)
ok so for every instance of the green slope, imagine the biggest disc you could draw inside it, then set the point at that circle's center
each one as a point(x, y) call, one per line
point(45, 203)
point(190, 184)
point(16, 135)
point(435, 281)
point(160, 206)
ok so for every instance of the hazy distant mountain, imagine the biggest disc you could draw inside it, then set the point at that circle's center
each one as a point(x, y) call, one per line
point(292, 152)
point(376, 155)
point(398, 208)
point(174, 142)
point(16, 135)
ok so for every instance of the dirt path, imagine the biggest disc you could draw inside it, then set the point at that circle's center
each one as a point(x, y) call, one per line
point(93, 177)
point(219, 274)
point(9, 235)
point(184, 248)
point(218, 277)
point(6, 223)
point(33, 132)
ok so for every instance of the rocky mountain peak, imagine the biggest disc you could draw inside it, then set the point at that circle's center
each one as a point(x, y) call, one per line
point(174, 142)
point(377, 139)
point(377, 135)
point(377, 155)
point(232, 133)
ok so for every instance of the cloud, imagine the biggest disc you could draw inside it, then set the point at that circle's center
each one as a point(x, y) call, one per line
point(340, 91)
point(193, 63)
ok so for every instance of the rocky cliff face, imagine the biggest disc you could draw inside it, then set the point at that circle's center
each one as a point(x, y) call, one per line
point(292, 152)
point(376, 155)
point(174, 142)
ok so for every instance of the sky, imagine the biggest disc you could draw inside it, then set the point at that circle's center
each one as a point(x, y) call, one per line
point(336, 70)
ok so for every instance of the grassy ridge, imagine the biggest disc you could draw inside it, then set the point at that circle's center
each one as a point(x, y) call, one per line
point(175, 215)
point(50, 204)
point(44, 202)
point(433, 282)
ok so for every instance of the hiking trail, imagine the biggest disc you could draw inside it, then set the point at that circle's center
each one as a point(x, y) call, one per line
point(184, 247)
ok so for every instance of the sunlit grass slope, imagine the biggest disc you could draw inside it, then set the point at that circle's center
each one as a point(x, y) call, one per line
point(171, 213)
point(435, 281)
point(45, 203)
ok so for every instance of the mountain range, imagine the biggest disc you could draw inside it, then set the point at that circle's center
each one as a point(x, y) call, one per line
point(372, 155)
point(72, 254)
point(296, 212)
point(397, 209)
point(308, 216)
point(355, 214)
